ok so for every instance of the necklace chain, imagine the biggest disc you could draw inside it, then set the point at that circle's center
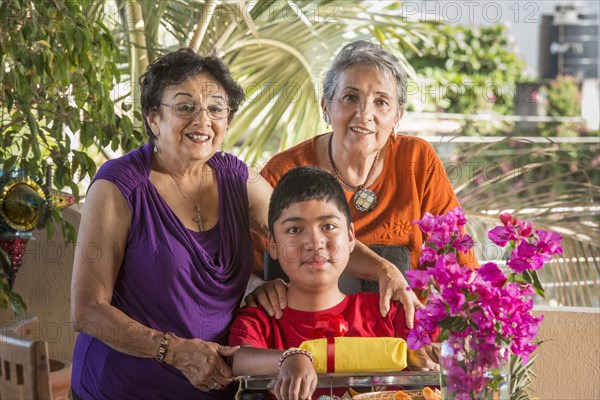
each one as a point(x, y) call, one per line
point(339, 175)
point(198, 218)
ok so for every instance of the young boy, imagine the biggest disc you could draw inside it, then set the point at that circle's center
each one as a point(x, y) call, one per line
point(312, 237)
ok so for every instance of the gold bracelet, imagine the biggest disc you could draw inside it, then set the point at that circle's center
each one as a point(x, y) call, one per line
point(293, 351)
point(163, 347)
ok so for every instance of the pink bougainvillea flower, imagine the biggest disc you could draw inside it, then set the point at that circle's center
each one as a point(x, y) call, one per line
point(484, 306)
point(507, 219)
point(441, 236)
point(454, 298)
point(463, 243)
point(525, 228)
point(417, 339)
point(418, 279)
point(428, 255)
point(501, 235)
point(524, 257)
point(548, 243)
point(427, 223)
point(490, 272)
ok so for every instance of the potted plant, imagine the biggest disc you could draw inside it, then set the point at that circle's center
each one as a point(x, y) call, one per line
point(485, 314)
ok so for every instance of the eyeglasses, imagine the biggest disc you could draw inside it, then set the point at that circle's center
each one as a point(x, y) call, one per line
point(190, 111)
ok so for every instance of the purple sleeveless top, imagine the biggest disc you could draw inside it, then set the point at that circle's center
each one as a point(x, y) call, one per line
point(171, 279)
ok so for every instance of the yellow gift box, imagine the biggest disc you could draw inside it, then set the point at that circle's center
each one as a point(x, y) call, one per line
point(358, 354)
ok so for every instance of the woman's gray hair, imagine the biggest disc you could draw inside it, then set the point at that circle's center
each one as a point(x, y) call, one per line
point(362, 52)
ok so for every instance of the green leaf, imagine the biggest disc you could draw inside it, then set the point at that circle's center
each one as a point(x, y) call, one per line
point(17, 304)
point(5, 262)
point(454, 324)
point(444, 335)
point(532, 278)
point(10, 163)
point(44, 44)
point(3, 299)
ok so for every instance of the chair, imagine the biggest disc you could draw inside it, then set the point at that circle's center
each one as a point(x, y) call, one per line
point(396, 254)
point(24, 369)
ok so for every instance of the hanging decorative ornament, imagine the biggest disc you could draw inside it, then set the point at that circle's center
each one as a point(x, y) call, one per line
point(23, 207)
point(23, 204)
point(60, 200)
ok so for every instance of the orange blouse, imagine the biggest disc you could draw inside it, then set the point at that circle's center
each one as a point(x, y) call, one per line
point(412, 182)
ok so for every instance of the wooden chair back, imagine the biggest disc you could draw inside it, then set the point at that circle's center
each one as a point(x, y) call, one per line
point(24, 369)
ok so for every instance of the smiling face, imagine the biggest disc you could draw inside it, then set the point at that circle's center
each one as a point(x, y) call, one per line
point(364, 109)
point(194, 139)
point(312, 241)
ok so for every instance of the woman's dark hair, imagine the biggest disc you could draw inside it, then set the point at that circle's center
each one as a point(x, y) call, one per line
point(304, 184)
point(178, 66)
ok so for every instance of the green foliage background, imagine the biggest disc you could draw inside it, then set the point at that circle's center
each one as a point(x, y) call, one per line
point(467, 70)
point(57, 74)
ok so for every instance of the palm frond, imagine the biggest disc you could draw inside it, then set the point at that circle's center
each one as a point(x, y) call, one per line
point(521, 377)
point(555, 187)
point(275, 47)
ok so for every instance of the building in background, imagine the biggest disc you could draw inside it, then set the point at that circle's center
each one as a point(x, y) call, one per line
point(569, 43)
point(569, 46)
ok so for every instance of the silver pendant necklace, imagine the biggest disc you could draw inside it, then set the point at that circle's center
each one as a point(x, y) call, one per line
point(364, 198)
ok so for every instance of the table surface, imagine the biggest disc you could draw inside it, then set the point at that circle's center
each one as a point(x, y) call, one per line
point(366, 379)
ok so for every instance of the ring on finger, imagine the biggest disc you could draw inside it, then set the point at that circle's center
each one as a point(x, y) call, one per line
point(213, 386)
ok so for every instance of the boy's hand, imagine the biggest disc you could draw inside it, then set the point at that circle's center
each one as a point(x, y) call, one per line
point(393, 286)
point(297, 379)
point(271, 295)
point(427, 358)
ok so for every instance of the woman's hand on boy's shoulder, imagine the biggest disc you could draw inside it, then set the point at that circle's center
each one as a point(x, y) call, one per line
point(271, 295)
point(297, 378)
point(393, 286)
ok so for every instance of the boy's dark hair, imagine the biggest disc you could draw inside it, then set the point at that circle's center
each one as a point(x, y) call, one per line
point(304, 184)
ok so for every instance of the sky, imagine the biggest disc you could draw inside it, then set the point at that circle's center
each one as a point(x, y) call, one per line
point(523, 17)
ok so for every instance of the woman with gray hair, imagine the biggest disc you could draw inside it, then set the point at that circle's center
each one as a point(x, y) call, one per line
point(389, 179)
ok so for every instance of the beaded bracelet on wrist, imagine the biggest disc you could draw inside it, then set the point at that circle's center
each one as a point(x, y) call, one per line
point(293, 351)
point(163, 347)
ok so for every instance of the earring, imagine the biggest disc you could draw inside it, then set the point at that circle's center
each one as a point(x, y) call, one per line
point(155, 145)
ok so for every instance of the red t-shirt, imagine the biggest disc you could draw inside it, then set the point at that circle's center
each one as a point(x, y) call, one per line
point(252, 326)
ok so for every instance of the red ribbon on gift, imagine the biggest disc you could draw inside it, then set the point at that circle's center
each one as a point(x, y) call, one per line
point(330, 326)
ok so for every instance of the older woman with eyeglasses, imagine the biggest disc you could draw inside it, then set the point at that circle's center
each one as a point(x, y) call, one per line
point(390, 179)
point(164, 251)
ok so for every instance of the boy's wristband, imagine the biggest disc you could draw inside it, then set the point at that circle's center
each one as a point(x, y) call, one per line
point(163, 347)
point(293, 351)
